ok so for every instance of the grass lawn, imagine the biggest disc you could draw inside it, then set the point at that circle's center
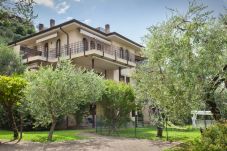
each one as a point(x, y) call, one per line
point(41, 136)
point(175, 134)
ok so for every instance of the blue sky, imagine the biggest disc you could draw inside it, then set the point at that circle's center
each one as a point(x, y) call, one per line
point(130, 18)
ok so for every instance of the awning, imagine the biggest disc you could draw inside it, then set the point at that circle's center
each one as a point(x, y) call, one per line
point(94, 36)
point(47, 38)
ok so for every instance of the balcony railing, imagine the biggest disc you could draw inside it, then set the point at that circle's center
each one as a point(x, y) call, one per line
point(76, 48)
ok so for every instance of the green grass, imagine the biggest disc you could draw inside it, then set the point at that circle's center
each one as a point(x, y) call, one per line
point(41, 136)
point(175, 134)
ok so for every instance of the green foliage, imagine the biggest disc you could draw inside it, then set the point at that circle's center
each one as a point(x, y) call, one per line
point(15, 20)
point(213, 139)
point(4, 123)
point(10, 61)
point(118, 102)
point(56, 92)
point(184, 54)
point(11, 90)
point(60, 91)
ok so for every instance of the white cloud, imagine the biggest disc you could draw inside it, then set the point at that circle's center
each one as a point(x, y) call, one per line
point(48, 3)
point(87, 21)
point(77, 0)
point(62, 7)
point(68, 18)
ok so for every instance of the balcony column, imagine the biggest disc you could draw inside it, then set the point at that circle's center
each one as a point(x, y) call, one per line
point(119, 73)
point(89, 44)
point(105, 74)
point(93, 63)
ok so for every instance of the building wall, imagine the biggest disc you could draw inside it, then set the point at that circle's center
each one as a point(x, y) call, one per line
point(75, 36)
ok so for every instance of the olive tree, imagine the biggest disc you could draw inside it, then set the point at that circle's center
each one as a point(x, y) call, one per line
point(11, 92)
point(186, 63)
point(10, 61)
point(55, 92)
point(118, 101)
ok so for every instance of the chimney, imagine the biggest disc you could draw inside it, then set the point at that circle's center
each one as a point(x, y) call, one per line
point(41, 27)
point(52, 23)
point(107, 28)
point(98, 28)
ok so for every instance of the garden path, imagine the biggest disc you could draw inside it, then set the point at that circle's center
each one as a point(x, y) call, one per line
point(93, 143)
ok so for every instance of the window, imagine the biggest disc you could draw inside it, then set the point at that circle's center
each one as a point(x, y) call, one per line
point(99, 47)
point(58, 48)
point(121, 53)
point(127, 54)
point(92, 44)
point(46, 48)
point(122, 79)
point(127, 79)
point(85, 44)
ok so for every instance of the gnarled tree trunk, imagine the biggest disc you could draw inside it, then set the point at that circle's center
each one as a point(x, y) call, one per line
point(50, 135)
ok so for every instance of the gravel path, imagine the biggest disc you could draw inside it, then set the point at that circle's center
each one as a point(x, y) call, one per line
point(94, 143)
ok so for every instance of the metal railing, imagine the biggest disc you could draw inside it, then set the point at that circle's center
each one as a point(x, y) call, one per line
point(78, 47)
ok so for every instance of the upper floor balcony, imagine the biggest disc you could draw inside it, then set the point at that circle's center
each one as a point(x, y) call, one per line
point(110, 53)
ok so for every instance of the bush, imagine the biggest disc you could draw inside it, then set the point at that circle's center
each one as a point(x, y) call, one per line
point(118, 101)
point(213, 139)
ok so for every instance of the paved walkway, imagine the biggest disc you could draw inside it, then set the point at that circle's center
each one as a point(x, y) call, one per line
point(94, 143)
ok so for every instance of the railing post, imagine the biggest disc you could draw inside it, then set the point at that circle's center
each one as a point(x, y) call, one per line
point(70, 53)
point(115, 55)
point(127, 56)
point(47, 54)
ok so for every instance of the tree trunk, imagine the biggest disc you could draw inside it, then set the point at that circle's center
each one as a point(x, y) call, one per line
point(52, 129)
point(21, 127)
point(93, 121)
point(212, 105)
point(13, 123)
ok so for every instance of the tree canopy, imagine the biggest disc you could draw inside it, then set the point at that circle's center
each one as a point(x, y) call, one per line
point(55, 92)
point(11, 92)
point(186, 63)
point(16, 19)
point(10, 61)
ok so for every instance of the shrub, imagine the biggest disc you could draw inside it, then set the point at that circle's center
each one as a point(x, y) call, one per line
point(118, 101)
point(213, 139)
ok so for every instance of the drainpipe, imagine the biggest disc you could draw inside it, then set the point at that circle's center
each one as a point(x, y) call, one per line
point(67, 35)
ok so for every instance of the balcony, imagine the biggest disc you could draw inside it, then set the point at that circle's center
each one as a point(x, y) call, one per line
point(100, 50)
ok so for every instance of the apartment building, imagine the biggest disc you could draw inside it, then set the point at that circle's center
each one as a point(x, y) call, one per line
point(108, 53)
